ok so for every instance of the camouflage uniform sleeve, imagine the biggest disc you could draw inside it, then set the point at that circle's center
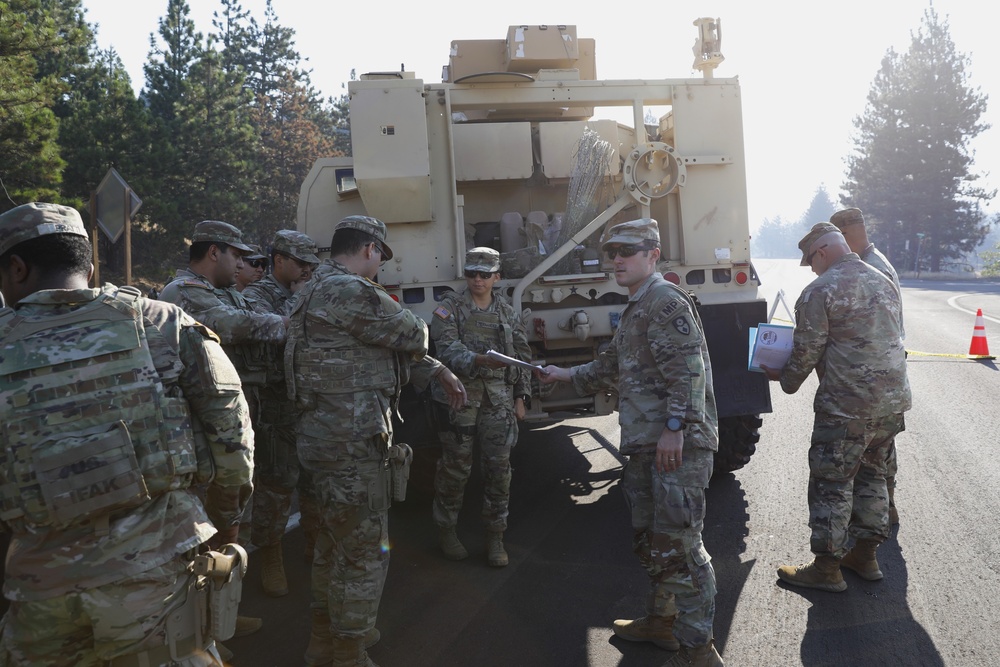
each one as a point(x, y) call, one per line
point(601, 374)
point(369, 314)
point(448, 345)
point(231, 324)
point(523, 351)
point(423, 371)
point(809, 339)
point(675, 341)
point(212, 387)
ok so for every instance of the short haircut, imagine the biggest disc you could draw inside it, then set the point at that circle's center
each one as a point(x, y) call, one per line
point(199, 249)
point(350, 241)
point(54, 254)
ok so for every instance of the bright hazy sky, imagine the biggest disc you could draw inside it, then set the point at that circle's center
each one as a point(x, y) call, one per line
point(805, 69)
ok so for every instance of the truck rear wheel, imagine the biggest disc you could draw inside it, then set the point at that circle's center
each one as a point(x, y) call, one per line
point(738, 437)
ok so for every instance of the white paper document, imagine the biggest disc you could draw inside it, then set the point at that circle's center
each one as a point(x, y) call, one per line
point(770, 345)
point(511, 361)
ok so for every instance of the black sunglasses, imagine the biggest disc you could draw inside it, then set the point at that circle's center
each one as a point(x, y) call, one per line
point(258, 263)
point(809, 257)
point(628, 250)
point(485, 275)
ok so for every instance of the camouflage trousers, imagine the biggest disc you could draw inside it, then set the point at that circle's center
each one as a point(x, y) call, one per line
point(848, 459)
point(278, 473)
point(351, 557)
point(91, 627)
point(668, 514)
point(891, 465)
point(495, 429)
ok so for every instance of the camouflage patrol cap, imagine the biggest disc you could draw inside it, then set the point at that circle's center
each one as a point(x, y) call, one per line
point(632, 232)
point(818, 230)
point(216, 231)
point(369, 225)
point(295, 244)
point(255, 253)
point(29, 221)
point(482, 259)
point(847, 217)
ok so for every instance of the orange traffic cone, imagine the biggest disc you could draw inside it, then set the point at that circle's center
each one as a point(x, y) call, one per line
point(979, 349)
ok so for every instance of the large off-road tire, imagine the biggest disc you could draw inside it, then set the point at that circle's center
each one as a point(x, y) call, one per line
point(738, 437)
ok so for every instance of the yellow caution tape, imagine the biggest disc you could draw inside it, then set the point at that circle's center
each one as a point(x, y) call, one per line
point(973, 357)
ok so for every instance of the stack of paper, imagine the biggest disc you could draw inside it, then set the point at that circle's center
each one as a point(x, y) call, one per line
point(770, 345)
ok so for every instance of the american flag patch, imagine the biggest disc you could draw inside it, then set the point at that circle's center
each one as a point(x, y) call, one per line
point(442, 312)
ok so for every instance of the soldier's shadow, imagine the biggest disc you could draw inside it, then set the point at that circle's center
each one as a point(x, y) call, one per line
point(868, 625)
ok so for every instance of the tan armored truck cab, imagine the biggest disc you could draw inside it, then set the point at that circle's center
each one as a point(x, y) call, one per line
point(506, 152)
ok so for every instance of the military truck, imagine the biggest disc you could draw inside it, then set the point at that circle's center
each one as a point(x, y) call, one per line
point(506, 152)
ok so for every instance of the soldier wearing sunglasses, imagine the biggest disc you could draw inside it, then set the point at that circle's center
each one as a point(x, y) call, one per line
point(659, 361)
point(254, 266)
point(464, 327)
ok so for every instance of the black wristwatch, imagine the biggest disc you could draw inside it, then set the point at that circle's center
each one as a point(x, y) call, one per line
point(675, 424)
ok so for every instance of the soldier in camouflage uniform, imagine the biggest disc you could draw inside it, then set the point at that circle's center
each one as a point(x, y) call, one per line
point(851, 224)
point(102, 393)
point(206, 291)
point(848, 329)
point(254, 265)
point(464, 327)
point(658, 362)
point(350, 348)
point(293, 257)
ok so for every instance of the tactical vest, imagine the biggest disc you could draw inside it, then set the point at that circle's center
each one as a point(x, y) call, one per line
point(341, 364)
point(484, 330)
point(250, 358)
point(87, 425)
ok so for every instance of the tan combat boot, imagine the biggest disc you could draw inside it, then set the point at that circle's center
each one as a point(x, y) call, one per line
point(350, 652)
point(320, 648)
point(495, 552)
point(862, 559)
point(696, 656)
point(656, 629)
point(451, 546)
point(272, 571)
point(823, 573)
point(247, 625)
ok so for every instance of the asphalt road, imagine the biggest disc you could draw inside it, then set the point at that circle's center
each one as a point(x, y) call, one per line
point(572, 571)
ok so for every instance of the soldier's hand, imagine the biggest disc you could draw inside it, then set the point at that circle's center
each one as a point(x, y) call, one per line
point(484, 360)
point(669, 450)
point(519, 409)
point(773, 374)
point(453, 387)
point(551, 374)
point(226, 535)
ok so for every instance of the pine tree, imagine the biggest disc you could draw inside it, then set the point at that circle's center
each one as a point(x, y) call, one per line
point(30, 164)
point(283, 114)
point(911, 168)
